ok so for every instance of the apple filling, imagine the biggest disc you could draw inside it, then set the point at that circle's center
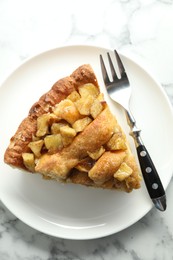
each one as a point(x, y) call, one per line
point(80, 133)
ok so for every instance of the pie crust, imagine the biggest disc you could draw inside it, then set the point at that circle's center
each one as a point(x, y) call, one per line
point(70, 135)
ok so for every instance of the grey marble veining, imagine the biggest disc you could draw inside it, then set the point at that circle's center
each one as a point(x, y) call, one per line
point(142, 28)
point(150, 238)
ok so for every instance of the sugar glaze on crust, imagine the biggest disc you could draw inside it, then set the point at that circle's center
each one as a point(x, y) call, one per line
point(59, 91)
point(61, 165)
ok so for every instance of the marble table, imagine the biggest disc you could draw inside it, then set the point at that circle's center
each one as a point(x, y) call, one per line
point(141, 28)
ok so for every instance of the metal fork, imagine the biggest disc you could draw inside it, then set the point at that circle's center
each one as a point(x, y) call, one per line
point(119, 90)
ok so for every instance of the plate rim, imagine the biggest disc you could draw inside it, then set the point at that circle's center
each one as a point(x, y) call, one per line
point(136, 63)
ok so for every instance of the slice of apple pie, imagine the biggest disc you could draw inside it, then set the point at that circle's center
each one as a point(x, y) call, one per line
point(70, 135)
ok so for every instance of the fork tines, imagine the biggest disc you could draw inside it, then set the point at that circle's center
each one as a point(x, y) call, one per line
point(113, 72)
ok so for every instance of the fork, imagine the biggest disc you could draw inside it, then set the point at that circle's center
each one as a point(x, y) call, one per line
point(119, 90)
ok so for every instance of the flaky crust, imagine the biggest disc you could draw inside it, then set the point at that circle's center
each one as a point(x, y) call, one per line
point(96, 134)
point(59, 91)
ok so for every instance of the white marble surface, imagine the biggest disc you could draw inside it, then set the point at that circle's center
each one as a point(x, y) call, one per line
point(142, 28)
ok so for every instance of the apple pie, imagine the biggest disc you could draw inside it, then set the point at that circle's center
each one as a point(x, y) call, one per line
point(70, 135)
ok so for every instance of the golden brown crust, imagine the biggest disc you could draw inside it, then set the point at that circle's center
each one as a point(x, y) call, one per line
point(63, 163)
point(96, 134)
point(106, 166)
point(19, 143)
point(59, 91)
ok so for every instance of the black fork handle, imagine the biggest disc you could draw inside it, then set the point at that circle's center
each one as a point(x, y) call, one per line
point(149, 172)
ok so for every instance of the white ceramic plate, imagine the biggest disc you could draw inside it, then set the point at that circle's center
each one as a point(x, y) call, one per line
point(71, 211)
